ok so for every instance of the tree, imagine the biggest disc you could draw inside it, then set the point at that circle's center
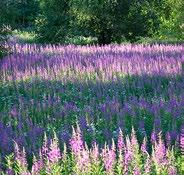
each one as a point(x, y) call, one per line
point(111, 20)
point(172, 20)
point(52, 23)
point(142, 19)
point(18, 13)
point(103, 18)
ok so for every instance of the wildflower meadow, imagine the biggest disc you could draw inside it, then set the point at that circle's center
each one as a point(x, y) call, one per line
point(92, 110)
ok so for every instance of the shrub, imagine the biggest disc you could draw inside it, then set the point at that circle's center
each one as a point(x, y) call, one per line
point(4, 32)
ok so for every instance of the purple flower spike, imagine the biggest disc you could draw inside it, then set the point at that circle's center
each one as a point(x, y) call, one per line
point(172, 171)
point(153, 137)
point(109, 157)
point(95, 153)
point(134, 141)
point(76, 142)
point(37, 166)
point(9, 172)
point(14, 112)
point(44, 149)
point(159, 153)
point(182, 139)
point(144, 146)
point(137, 171)
point(168, 139)
point(20, 157)
point(54, 154)
point(121, 144)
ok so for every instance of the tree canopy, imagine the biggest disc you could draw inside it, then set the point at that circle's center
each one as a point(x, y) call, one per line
point(108, 20)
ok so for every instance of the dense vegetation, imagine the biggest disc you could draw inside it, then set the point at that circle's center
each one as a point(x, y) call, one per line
point(50, 88)
point(4, 32)
point(107, 20)
point(113, 107)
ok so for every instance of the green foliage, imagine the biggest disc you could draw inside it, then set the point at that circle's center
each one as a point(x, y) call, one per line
point(24, 36)
point(105, 20)
point(18, 13)
point(142, 20)
point(4, 31)
point(110, 21)
point(52, 23)
point(172, 22)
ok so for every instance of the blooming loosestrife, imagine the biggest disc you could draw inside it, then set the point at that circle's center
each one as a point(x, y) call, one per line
point(54, 154)
point(80, 152)
point(103, 88)
point(21, 162)
point(53, 157)
point(121, 149)
point(109, 158)
point(37, 166)
point(133, 160)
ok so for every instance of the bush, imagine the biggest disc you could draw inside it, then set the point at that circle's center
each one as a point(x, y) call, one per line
point(4, 32)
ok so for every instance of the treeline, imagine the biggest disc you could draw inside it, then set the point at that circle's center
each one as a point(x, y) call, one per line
point(108, 20)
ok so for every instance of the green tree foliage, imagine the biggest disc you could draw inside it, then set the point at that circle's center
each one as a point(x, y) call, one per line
point(112, 20)
point(172, 20)
point(18, 13)
point(108, 20)
point(4, 32)
point(52, 23)
point(142, 20)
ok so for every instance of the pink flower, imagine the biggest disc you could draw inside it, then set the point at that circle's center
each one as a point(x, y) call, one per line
point(95, 154)
point(76, 142)
point(136, 171)
point(121, 144)
point(14, 112)
point(144, 146)
point(182, 139)
point(172, 171)
point(109, 158)
point(20, 157)
point(54, 154)
point(37, 166)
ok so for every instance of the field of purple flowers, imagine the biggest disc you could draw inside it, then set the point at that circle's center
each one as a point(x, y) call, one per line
point(126, 103)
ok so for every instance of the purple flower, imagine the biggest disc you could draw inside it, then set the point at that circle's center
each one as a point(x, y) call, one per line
point(172, 171)
point(20, 157)
point(128, 155)
point(134, 141)
point(54, 154)
point(76, 142)
point(159, 153)
point(83, 123)
point(136, 171)
point(83, 161)
point(44, 149)
point(121, 144)
point(9, 172)
point(182, 139)
point(168, 139)
point(157, 124)
point(153, 137)
point(144, 146)
point(142, 127)
point(109, 157)
point(95, 154)
point(147, 165)
point(37, 166)
point(14, 112)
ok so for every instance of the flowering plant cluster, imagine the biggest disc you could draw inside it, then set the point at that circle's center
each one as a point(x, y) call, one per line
point(125, 157)
point(99, 89)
